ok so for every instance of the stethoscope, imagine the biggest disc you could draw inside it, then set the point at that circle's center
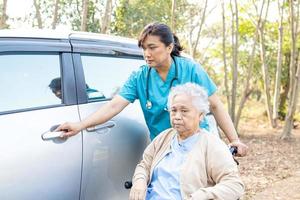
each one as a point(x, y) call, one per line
point(148, 102)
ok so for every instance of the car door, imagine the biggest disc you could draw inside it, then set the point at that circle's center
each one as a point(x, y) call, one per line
point(36, 164)
point(110, 150)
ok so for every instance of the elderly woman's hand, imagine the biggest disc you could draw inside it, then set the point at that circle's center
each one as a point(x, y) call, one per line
point(242, 149)
point(138, 190)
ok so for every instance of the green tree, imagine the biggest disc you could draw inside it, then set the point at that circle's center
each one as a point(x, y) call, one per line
point(3, 16)
point(131, 16)
point(74, 15)
point(47, 14)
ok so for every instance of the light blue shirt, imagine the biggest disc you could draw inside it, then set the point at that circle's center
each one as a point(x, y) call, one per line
point(157, 118)
point(166, 174)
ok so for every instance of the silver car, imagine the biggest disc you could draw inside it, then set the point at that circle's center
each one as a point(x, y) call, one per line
point(48, 78)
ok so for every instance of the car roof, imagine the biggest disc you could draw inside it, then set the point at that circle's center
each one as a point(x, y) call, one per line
point(81, 41)
point(54, 34)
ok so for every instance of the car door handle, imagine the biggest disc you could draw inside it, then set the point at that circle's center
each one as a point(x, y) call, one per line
point(49, 135)
point(106, 125)
point(52, 134)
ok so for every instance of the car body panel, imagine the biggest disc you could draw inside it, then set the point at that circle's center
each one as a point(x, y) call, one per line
point(31, 167)
point(111, 153)
point(94, 164)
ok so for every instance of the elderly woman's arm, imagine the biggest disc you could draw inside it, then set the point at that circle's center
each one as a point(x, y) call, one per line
point(141, 175)
point(223, 171)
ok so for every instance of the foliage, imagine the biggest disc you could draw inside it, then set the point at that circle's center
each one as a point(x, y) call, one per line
point(93, 22)
point(131, 16)
point(4, 21)
point(46, 9)
point(69, 13)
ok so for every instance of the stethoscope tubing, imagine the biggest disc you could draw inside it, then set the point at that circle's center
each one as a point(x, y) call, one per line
point(148, 102)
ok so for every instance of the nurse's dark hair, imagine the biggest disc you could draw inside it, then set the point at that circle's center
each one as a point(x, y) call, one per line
point(164, 33)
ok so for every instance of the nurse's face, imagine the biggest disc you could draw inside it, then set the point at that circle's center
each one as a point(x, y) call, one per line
point(156, 53)
point(184, 116)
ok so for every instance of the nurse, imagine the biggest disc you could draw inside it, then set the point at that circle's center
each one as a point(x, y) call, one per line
point(151, 84)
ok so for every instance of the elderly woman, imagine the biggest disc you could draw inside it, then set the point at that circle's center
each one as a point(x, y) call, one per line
point(186, 162)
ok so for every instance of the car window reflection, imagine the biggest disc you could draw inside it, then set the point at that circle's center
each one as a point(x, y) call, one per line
point(24, 80)
point(55, 87)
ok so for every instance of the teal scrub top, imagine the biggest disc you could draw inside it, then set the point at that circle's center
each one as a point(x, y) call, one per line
point(157, 117)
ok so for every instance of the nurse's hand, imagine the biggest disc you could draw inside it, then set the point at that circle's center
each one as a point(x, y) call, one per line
point(70, 129)
point(242, 149)
point(138, 190)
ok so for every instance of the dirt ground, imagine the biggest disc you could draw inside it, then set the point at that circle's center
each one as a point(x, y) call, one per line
point(271, 170)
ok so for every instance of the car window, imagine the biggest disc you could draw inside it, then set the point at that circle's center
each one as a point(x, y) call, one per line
point(106, 75)
point(28, 81)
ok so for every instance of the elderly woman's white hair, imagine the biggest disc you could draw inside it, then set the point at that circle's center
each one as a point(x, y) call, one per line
point(198, 94)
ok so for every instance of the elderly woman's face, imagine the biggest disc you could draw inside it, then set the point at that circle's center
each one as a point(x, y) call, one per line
point(184, 116)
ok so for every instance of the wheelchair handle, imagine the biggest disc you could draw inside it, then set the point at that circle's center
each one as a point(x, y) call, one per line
point(233, 150)
point(128, 184)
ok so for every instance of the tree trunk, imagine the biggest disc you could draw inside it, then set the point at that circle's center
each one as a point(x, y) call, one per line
point(285, 87)
point(243, 100)
point(224, 57)
point(289, 119)
point(84, 19)
point(294, 77)
point(266, 78)
point(265, 69)
point(55, 14)
point(190, 42)
point(78, 9)
point(247, 91)
point(234, 38)
point(173, 21)
point(38, 13)
point(200, 28)
point(279, 64)
point(3, 19)
point(106, 17)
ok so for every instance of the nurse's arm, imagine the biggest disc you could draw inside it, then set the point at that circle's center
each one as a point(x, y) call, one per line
point(224, 121)
point(106, 112)
point(102, 115)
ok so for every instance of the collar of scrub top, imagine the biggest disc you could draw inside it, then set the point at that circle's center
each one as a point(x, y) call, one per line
point(148, 102)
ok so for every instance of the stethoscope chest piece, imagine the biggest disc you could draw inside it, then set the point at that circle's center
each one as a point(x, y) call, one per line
point(148, 104)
